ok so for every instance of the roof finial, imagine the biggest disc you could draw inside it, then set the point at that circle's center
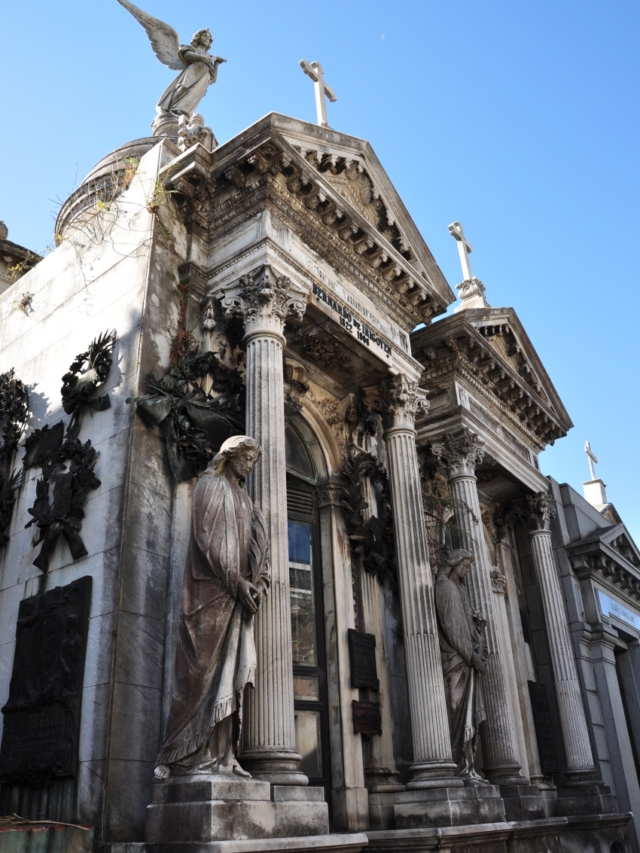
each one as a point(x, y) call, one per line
point(315, 71)
point(594, 489)
point(471, 288)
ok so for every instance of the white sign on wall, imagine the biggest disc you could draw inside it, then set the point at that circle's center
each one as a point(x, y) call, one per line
point(610, 607)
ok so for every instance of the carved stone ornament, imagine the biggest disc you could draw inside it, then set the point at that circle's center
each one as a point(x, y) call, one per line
point(540, 511)
point(14, 409)
point(42, 714)
point(87, 373)
point(67, 464)
point(370, 535)
point(462, 450)
point(295, 385)
point(264, 300)
point(195, 421)
point(321, 348)
point(401, 400)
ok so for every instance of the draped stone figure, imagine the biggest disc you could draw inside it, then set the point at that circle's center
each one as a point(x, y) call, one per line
point(464, 661)
point(226, 574)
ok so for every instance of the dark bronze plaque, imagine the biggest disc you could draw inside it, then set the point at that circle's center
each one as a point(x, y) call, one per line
point(42, 716)
point(544, 728)
point(366, 718)
point(362, 653)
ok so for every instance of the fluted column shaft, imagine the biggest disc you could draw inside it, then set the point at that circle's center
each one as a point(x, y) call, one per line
point(269, 741)
point(573, 721)
point(433, 765)
point(461, 451)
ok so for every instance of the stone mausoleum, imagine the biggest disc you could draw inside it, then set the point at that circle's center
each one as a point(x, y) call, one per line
point(447, 651)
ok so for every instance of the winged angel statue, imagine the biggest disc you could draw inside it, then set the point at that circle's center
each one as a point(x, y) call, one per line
point(198, 69)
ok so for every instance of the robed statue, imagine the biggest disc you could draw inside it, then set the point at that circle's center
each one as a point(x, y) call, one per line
point(226, 575)
point(198, 69)
point(464, 661)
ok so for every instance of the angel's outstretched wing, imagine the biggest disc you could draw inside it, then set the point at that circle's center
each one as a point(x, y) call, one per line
point(164, 39)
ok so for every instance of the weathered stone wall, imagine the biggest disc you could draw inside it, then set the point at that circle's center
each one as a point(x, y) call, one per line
point(119, 270)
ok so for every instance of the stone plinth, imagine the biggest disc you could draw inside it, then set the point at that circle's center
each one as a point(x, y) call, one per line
point(201, 809)
point(449, 806)
point(338, 843)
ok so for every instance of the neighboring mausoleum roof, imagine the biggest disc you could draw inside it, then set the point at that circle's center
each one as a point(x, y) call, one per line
point(15, 260)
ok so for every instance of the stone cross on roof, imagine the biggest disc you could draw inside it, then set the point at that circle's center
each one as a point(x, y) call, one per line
point(314, 70)
point(592, 458)
point(464, 249)
point(471, 288)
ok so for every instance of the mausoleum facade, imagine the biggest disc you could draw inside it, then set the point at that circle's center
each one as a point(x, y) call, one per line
point(424, 576)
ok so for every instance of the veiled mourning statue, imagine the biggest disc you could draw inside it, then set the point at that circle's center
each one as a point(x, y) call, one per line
point(226, 574)
point(464, 661)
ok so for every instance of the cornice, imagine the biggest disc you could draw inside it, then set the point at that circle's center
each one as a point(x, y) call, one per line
point(596, 559)
point(458, 348)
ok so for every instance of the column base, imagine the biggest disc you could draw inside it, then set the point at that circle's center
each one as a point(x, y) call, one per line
point(277, 767)
point(523, 802)
point(433, 775)
point(201, 809)
point(448, 807)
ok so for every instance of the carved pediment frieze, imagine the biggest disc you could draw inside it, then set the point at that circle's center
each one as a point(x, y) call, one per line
point(335, 203)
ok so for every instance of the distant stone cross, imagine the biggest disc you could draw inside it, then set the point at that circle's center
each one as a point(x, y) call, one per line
point(464, 249)
point(314, 70)
point(592, 458)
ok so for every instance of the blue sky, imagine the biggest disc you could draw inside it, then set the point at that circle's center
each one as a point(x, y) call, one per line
point(518, 118)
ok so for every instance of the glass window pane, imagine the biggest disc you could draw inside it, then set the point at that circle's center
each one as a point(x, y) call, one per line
point(303, 608)
point(308, 742)
point(306, 687)
point(298, 458)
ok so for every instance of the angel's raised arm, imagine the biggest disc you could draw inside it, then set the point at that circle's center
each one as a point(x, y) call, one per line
point(164, 39)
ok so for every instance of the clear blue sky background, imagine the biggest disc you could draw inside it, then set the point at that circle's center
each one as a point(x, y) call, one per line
point(519, 118)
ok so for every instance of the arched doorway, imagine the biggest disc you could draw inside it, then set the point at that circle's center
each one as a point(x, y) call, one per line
point(307, 611)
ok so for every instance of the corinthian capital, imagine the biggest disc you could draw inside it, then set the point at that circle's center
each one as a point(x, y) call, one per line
point(540, 511)
point(264, 300)
point(401, 399)
point(462, 450)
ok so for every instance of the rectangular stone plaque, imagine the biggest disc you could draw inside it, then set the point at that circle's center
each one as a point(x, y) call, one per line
point(367, 719)
point(362, 654)
point(42, 716)
point(544, 728)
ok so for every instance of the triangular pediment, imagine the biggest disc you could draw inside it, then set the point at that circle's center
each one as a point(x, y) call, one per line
point(618, 539)
point(504, 332)
point(333, 193)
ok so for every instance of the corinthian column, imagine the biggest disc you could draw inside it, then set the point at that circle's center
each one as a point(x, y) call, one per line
point(433, 765)
point(269, 743)
point(573, 721)
point(462, 450)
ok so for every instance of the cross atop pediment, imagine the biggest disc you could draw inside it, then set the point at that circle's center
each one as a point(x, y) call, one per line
point(315, 71)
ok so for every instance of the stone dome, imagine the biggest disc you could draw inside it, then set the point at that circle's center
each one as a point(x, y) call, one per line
point(103, 183)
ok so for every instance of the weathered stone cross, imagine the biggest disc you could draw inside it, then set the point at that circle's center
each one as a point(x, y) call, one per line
point(314, 70)
point(464, 249)
point(592, 458)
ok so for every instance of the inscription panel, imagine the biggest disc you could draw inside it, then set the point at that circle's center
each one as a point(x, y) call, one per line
point(42, 715)
point(362, 654)
point(367, 719)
